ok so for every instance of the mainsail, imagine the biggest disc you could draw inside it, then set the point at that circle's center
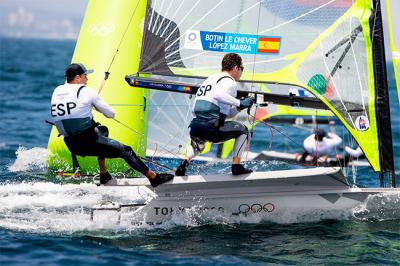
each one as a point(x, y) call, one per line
point(331, 48)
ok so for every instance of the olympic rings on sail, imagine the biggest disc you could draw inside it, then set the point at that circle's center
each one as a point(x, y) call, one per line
point(101, 29)
point(245, 208)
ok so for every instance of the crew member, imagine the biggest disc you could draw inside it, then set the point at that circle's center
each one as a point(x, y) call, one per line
point(215, 101)
point(71, 109)
point(320, 144)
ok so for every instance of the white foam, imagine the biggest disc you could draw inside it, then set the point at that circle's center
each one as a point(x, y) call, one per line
point(47, 207)
point(381, 207)
point(30, 159)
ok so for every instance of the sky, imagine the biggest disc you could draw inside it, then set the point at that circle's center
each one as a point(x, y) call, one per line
point(50, 19)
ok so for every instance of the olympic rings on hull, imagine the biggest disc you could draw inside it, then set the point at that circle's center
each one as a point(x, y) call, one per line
point(256, 208)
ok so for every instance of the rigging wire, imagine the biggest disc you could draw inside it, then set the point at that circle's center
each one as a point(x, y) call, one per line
point(128, 127)
point(276, 129)
point(254, 56)
point(252, 85)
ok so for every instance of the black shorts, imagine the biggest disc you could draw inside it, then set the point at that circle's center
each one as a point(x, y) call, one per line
point(208, 131)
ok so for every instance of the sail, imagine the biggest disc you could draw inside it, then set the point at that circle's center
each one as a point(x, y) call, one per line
point(394, 34)
point(109, 42)
point(331, 48)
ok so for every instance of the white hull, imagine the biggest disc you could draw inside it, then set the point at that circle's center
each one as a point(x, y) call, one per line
point(267, 195)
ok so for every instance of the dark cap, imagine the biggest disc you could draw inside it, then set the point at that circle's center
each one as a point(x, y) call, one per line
point(76, 69)
point(319, 134)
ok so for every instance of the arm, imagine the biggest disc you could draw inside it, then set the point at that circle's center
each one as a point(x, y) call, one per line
point(103, 107)
point(333, 139)
point(226, 93)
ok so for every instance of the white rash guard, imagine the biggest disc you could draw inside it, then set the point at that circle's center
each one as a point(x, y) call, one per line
point(216, 95)
point(71, 108)
point(321, 148)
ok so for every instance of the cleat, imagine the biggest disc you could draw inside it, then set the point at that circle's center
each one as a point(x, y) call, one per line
point(160, 179)
point(238, 169)
point(181, 170)
point(105, 177)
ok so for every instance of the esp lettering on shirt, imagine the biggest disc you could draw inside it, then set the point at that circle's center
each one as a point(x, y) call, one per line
point(203, 90)
point(62, 108)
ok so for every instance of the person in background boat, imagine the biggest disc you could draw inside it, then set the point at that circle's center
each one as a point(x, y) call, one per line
point(215, 101)
point(71, 110)
point(320, 144)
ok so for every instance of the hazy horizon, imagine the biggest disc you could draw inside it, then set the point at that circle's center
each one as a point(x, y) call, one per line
point(42, 19)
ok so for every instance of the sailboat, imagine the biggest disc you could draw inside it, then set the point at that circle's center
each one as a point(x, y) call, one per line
point(333, 49)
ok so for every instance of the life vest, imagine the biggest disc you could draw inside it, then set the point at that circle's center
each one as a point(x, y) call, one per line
point(206, 105)
point(71, 113)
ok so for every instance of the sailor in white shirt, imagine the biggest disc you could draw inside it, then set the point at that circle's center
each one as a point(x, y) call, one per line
point(320, 144)
point(71, 110)
point(215, 101)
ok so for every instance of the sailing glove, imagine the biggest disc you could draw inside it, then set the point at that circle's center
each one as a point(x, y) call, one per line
point(246, 102)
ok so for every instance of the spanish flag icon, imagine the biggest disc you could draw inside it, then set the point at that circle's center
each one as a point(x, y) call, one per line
point(269, 45)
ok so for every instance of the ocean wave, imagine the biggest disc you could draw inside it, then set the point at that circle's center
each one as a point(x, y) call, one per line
point(30, 159)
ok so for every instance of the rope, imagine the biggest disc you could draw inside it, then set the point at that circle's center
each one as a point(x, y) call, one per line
point(107, 73)
point(272, 127)
point(128, 127)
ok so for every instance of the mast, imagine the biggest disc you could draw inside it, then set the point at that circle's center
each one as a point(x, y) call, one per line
point(382, 96)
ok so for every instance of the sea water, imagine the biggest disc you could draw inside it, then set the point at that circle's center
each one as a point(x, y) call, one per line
point(48, 222)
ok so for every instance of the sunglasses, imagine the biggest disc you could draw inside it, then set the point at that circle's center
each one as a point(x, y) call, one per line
point(241, 67)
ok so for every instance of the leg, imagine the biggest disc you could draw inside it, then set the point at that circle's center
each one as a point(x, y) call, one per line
point(102, 165)
point(196, 147)
point(238, 149)
point(303, 157)
point(110, 148)
point(232, 129)
point(104, 174)
point(136, 163)
point(75, 163)
point(102, 130)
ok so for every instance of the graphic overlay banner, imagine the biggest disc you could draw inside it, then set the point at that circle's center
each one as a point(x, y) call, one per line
point(232, 42)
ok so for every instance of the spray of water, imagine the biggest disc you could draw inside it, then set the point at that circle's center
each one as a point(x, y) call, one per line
point(30, 159)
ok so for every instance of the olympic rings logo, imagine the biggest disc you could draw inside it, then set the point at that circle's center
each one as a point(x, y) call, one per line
point(101, 29)
point(255, 208)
